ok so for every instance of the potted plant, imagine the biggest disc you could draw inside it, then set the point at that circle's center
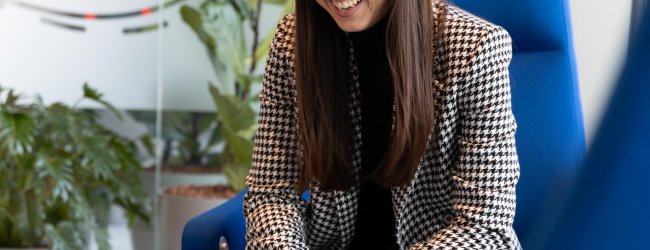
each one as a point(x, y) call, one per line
point(61, 172)
point(230, 31)
point(190, 160)
point(190, 142)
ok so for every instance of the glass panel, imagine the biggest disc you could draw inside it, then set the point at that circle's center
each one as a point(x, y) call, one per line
point(85, 156)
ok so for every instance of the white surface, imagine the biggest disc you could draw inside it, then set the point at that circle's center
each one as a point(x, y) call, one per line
point(600, 29)
point(55, 62)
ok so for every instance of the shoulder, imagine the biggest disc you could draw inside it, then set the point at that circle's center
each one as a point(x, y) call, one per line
point(278, 84)
point(458, 18)
point(467, 39)
point(461, 26)
point(285, 32)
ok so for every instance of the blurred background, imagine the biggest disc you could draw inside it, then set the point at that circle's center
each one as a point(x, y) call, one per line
point(168, 89)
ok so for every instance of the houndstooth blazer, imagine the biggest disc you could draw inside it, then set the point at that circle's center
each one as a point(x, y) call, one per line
point(463, 193)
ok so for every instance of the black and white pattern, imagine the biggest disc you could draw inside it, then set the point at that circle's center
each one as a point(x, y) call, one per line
point(463, 193)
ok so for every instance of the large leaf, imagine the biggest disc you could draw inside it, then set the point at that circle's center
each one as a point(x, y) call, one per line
point(236, 175)
point(26, 207)
point(234, 113)
point(16, 130)
point(66, 235)
point(240, 147)
point(11, 98)
point(215, 138)
point(264, 46)
point(147, 142)
point(101, 237)
point(94, 95)
point(193, 18)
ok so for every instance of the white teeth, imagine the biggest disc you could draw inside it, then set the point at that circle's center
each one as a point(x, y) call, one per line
point(345, 5)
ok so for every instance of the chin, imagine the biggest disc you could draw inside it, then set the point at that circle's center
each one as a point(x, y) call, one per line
point(352, 26)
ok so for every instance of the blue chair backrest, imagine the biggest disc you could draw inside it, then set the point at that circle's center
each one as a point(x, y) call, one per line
point(546, 103)
point(608, 208)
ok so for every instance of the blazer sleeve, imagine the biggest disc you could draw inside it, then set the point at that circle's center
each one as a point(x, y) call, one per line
point(272, 209)
point(487, 170)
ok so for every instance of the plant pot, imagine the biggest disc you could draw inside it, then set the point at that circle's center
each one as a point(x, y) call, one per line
point(142, 235)
point(173, 178)
point(177, 210)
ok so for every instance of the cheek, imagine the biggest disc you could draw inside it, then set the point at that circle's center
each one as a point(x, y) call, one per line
point(380, 6)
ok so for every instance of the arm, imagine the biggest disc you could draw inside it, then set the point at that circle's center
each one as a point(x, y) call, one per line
point(272, 208)
point(487, 170)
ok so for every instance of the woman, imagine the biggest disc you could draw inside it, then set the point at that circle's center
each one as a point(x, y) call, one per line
point(396, 116)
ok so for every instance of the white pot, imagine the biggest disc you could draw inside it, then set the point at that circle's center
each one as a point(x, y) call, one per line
point(175, 212)
point(142, 235)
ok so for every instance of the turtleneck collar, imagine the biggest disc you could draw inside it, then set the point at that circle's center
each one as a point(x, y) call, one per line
point(371, 43)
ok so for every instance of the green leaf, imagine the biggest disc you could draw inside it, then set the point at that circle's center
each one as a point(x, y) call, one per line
point(233, 112)
point(135, 209)
point(17, 131)
point(66, 235)
point(264, 46)
point(216, 137)
point(4, 213)
point(288, 7)
point(192, 18)
point(26, 207)
point(147, 142)
point(94, 95)
point(207, 121)
point(236, 176)
point(11, 98)
point(241, 148)
point(101, 238)
point(276, 2)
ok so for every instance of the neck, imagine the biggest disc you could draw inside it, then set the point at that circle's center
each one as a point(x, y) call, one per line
point(371, 43)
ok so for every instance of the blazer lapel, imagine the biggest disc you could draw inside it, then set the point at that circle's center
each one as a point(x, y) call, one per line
point(346, 201)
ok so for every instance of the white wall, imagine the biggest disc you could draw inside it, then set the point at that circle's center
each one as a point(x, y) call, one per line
point(600, 29)
point(36, 57)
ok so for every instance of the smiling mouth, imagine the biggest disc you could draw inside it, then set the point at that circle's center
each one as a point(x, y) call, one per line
point(344, 6)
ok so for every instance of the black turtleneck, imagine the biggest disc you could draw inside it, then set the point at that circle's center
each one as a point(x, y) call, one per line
point(375, 226)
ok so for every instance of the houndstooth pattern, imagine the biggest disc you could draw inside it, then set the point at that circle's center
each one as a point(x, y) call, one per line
point(463, 193)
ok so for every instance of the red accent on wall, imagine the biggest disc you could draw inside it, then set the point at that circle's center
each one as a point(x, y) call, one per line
point(145, 11)
point(90, 16)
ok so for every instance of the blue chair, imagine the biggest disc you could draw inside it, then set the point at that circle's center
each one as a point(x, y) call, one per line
point(212, 229)
point(550, 136)
point(608, 207)
point(222, 227)
point(550, 139)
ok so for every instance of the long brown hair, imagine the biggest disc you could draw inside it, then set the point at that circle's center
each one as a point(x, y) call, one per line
point(323, 80)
